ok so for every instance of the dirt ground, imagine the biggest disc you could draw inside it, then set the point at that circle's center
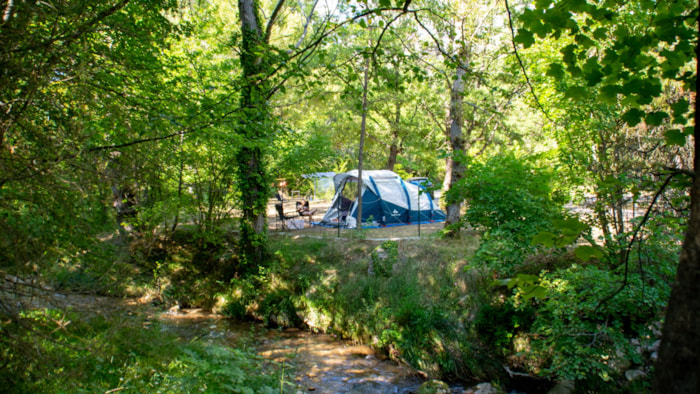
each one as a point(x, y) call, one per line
point(321, 206)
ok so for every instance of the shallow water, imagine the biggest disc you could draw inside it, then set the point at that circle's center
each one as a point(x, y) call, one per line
point(322, 363)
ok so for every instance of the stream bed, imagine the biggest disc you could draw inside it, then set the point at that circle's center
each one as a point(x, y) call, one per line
point(322, 363)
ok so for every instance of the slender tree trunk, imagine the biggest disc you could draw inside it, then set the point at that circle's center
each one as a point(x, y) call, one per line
point(394, 148)
point(457, 144)
point(180, 183)
point(363, 127)
point(678, 367)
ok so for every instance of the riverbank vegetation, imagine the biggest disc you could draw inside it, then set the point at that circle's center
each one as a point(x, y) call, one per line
point(142, 143)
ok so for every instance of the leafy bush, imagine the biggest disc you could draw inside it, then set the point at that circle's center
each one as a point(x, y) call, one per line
point(584, 322)
point(510, 199)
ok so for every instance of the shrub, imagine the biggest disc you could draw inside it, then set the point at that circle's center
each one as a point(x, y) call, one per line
point(510, 199)
point(584, 321)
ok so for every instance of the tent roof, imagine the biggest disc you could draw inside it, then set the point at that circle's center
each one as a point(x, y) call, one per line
point(366, 174)
point(319, 175)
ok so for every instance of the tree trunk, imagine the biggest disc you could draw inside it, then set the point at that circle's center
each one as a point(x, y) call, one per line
point(678, 366)
point(251, 172)
point(457, 144)
point(447, 182)
point(363, 127)
point(395, 138)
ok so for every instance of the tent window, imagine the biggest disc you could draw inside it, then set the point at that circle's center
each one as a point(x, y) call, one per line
point(350, 189)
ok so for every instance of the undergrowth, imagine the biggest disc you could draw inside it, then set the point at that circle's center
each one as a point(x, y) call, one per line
point(122, 351)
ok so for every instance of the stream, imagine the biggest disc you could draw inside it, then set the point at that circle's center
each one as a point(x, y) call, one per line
point(322, 363)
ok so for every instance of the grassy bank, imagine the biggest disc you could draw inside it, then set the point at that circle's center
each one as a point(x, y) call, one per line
point(416, 299)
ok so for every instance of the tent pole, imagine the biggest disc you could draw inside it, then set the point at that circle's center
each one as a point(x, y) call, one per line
point(419, 193)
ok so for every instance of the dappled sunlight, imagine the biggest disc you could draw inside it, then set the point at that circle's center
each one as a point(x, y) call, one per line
point(326, 363)
point(323, 362)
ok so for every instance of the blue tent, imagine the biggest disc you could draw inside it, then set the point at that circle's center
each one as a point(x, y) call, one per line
point(386, 200)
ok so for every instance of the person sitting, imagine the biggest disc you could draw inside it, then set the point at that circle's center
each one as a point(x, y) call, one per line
point(303, 209)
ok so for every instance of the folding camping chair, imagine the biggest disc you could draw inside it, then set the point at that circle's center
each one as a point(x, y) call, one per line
point(281, 216)
point(304, 210)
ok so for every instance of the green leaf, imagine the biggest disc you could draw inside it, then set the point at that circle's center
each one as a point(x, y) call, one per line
point(556, 71)
point(503, 282)
point(526, 278)
point(633, 116)
point(385, 3)
point(600, 34)
point(571, 226)
point(567, 239)
point(650, 87)
point(584, 41)
point(656, 118)
point(542, 4)
point(545, 238)
point(632, 86)
point(674, 137)
point(525, 37)
point(534, 291)
point(577, 93)
point(608, 93)
point(362, 23)
point(594, 77)
point(586, 252)
point(680, 108)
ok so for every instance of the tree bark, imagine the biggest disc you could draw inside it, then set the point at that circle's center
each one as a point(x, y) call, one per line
point(678, 366)
point(251, 172)
point(457, 144)
point(363, 128)
point(394, 148)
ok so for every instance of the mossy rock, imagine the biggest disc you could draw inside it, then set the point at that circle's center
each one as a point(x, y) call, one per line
point(434, 387)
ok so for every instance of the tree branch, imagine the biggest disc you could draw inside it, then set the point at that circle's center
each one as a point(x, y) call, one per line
point(80, 30)
point(522, 66)
point(628, 249)
point(273, 19)
point(306, 24)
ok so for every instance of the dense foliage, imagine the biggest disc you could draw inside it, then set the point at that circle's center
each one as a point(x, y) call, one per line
point(140, 143)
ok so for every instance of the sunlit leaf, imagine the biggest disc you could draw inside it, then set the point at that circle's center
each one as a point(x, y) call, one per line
point(525, 37)
point(587, 252)
point(544, 238)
